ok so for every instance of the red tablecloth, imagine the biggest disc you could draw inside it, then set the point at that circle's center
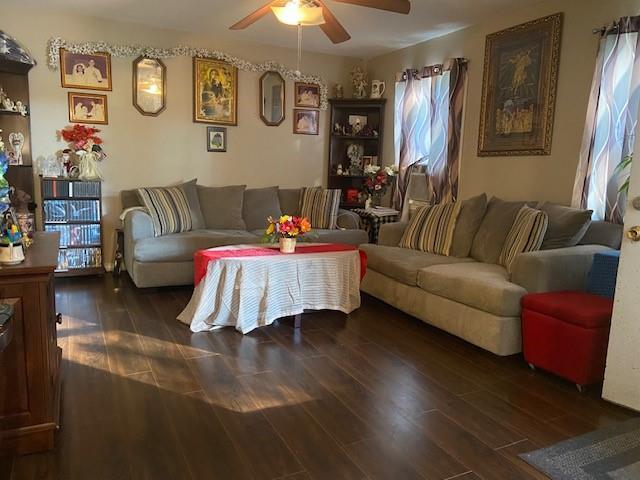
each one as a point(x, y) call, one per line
point(202, 258)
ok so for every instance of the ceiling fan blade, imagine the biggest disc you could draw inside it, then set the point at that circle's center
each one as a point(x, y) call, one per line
point(398, 6)
point(331, 26)
point(254, 17)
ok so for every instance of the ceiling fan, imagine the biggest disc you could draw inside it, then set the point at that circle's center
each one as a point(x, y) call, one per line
point(316, 12)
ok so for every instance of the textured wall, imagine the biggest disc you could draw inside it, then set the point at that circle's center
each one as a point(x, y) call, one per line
point(541, 177)
point(157, 151)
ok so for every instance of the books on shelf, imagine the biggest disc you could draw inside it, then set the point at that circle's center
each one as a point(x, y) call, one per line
point(79, 258)
point(57, 188)
point(72, 235)
point(72, 211)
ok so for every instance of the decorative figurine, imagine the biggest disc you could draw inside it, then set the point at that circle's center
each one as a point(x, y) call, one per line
point(354, 153)
point(16, 140)
point(339, 171)
point(338, 91)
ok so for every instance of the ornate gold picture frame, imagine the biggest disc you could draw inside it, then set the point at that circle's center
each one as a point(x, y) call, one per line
point(215, 92)
point(519, 88)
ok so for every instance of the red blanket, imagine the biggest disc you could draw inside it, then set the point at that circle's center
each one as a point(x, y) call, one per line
point(202, 258)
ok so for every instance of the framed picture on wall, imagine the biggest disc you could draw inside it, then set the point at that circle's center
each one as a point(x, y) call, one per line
point(85, 71)
point(519, 88)
point(306, 122)
point(307, 95)
point(88, 108)
point(215, 91)
point(216, 139)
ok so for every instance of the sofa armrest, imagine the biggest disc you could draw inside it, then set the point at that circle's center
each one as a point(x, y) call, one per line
point(137, 225)
point(347, 220)
point(391, 233)
point(555, 270)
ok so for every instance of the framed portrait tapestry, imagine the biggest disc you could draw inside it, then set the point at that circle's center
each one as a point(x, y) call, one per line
point(307, 95)
point(306, 122)
point(88, 108)
point(519, 88)
point(85, 71)
point(215, 91)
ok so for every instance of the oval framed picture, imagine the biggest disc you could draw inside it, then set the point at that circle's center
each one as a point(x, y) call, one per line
point(149, 86)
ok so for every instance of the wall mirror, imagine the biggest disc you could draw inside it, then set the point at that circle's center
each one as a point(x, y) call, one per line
point(149, 85)
point(272, 98)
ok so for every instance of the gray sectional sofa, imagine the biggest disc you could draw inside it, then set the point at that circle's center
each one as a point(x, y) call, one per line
point(468, 294)
point(230, 215)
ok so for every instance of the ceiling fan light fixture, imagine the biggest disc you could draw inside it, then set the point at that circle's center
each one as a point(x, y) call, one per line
point(293, 13)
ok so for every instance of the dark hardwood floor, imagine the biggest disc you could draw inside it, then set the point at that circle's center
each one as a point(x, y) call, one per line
point(375, 394)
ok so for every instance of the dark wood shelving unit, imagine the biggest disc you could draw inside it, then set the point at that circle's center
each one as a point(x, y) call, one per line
point(63, 199)
point(373, 109)
point(14, 80)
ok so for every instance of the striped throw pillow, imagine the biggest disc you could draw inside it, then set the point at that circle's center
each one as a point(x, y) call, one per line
point(169, 209)
point(526, 235)
point(320, 206)
point(431, 229)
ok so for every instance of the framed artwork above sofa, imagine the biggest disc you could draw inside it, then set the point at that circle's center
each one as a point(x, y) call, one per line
point(519, 88)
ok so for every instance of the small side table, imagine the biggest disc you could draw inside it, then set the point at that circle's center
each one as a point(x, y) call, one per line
point(371, 219)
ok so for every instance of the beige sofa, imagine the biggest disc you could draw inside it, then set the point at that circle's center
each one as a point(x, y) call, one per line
point(470, 295)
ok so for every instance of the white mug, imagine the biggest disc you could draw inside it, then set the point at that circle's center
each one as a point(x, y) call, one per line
point(377, 88)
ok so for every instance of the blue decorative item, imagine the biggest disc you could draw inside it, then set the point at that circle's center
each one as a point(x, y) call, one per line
point(603, 274)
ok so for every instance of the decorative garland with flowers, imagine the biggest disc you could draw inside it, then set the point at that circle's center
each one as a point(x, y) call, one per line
point(87, 48)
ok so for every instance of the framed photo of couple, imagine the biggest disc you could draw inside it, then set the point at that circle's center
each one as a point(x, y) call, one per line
point(85, 71)
point(88, 108)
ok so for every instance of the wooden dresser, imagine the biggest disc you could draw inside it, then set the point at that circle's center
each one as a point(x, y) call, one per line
point(30, 361)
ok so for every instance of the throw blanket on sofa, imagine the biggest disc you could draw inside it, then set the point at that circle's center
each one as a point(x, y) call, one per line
point(248, 286)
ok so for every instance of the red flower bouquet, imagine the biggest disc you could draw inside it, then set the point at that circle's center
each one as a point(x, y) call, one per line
point(80, 137)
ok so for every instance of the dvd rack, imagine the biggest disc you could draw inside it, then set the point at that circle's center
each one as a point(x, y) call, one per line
point(74, 208)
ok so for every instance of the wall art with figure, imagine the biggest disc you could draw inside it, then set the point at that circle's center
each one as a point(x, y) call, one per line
point(215, 90)
point(519, 88)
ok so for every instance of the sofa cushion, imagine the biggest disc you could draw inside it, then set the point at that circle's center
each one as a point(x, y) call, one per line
point(483, 286)
point(180, 247)
point(435, 230)
point(471, 214)
point(290, 200)
point(320, 206)
point(493, 231)
point(603, 233)
point(130, 198)
point(349, 236)
point(566, 225)
point(403, 264)
point(258, 204)
point(526, 235)
point(222, 207)
point(168, 208)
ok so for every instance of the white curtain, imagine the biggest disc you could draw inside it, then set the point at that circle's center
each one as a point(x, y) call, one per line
point(612, 117)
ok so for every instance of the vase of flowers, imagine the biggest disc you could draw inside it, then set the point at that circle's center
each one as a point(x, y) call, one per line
point(86, 144)
point(376, 182)
point(286, 229)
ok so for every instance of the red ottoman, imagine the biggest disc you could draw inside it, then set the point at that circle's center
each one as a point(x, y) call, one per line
point(567, 333)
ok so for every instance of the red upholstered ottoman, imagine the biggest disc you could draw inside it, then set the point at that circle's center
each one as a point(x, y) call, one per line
point(567, 333)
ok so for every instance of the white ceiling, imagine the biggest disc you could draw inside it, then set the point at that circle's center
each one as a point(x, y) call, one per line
point(373, 32)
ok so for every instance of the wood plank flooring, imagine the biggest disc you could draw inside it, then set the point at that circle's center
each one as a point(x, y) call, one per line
point(372, 395)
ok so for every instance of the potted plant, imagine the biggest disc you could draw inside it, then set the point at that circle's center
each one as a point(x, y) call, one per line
point(286, 229)
point(376, 182)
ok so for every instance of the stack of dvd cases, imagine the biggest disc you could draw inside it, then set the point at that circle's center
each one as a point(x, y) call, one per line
point(73, 208)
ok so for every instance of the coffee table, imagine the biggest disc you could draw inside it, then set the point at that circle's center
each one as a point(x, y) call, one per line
point(249, 286)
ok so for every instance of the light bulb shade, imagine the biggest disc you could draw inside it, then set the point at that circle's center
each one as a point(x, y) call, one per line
point(295, 14)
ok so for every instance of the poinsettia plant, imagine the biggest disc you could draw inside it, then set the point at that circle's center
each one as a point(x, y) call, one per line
point(287, 226)
point(81, 137)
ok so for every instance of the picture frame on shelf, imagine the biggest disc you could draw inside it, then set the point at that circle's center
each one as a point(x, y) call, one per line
point(306, 122)
point(149, 86)
point(90, 108)
point(216, 139)
point(307, 95)
point(367, 160)
point(215, 92)
point(519, 88)
point(85, 71)
point(357, 123)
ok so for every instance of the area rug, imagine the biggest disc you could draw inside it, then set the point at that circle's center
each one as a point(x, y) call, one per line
point(612, 453)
